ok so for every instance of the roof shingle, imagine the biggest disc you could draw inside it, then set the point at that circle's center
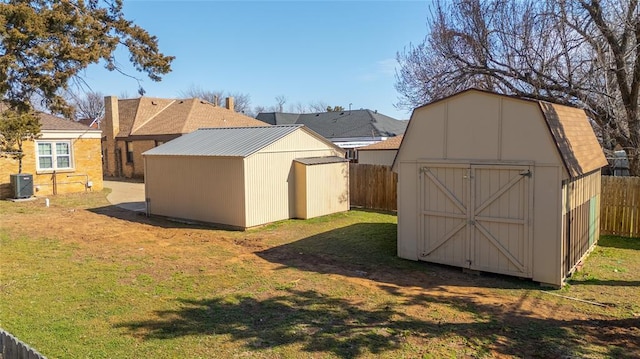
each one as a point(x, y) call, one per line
point(392, 143)
point(344, 124)
point(574, 138)
point(156, 116)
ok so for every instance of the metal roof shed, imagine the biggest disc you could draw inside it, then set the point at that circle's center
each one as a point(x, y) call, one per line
point(320, 186)
point(499, 184)
point(237, 177)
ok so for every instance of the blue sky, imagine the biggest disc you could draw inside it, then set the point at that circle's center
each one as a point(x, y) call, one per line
point(337, 52)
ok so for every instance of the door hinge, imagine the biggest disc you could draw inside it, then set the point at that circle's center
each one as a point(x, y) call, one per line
point(526, 173)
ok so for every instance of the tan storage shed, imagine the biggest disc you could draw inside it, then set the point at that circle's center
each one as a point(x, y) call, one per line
point(320, 185)
point(245, 177)
point(499, 184)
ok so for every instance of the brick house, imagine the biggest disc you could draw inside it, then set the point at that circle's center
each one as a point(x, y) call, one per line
point(66, 158)
point(133, 126)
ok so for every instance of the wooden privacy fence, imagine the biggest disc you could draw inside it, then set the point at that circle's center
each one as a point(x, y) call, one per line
point(373, 186)
point(12, 348)
point(620, 206)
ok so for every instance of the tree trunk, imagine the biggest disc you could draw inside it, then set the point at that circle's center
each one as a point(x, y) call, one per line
point(633, 154)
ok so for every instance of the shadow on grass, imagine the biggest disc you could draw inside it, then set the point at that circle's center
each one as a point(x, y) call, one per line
point(619, 242)
point(611, 283)
point(318, 323)
point(322, 324)
point(141, 217)
point(369, 250)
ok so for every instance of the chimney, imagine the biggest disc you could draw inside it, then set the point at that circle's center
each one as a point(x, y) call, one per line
point(229, 103)
point(111, 117)
point(110, 129)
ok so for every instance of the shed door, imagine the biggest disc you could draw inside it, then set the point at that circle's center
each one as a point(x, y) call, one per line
point(476, 216)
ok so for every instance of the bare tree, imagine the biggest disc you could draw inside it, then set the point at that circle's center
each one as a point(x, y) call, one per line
point(280, 101)
point(258, 109)
point(211, 96)
point(583, 53)
point(318, 106)
point(89, 105)
point(300, 108)
point(241, 103)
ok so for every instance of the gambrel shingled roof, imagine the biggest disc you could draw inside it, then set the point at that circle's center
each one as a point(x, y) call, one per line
point(570, 130)
point(574, 137)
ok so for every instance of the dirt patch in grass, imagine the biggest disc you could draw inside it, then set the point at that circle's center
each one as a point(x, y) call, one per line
point(101, 281)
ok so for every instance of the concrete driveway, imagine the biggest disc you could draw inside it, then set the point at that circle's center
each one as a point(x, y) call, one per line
point(127, 194)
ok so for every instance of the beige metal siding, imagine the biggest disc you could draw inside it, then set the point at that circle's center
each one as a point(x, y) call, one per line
point(377, 157)
point(326, 188)
point(207, 189)
point(301, 140)
point(270, 184)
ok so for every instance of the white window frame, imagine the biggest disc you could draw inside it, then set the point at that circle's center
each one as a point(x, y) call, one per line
point(54, 155)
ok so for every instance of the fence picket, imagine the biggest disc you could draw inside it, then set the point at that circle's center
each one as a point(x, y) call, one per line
point(620, 206)
point(375, 187)
point(12, 348)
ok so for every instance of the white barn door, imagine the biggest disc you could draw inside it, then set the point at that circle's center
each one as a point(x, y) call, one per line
point(476, 216)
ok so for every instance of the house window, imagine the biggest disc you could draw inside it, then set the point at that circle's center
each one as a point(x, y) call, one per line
point(129, 152)
point(351, 155)
point(55, 155)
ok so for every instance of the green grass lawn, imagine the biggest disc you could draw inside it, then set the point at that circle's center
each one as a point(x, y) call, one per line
point(83, 280)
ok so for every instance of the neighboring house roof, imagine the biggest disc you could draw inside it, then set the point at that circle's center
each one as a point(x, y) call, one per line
point(54, 123)
point(342, 124)
point(227, 142)
point(391, 144)
point(146, 116)
point(90, 122)
point(50, 122)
